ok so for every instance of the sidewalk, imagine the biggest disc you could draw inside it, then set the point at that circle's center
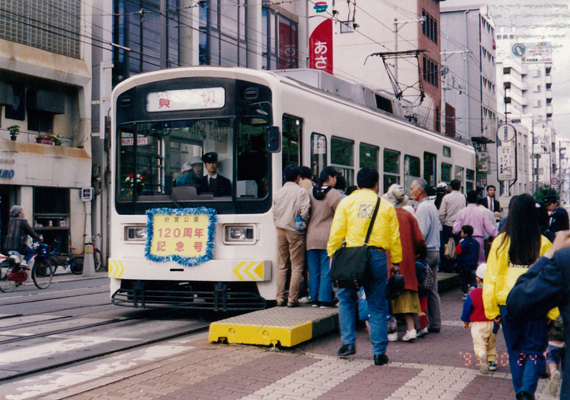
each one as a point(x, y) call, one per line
point(439, 366)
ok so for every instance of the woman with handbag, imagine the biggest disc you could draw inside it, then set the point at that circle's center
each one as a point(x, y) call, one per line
point(408, 303)
point(362, 221)
point(324, 200)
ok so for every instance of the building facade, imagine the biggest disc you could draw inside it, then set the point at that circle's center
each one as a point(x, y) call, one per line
point(469, 83)
point(45, 89)
point(527, 83)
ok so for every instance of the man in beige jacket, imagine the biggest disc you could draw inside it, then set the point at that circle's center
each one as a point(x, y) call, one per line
point(289, 202)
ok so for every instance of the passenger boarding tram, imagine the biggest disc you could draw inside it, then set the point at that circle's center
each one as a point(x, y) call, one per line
point(175, 241)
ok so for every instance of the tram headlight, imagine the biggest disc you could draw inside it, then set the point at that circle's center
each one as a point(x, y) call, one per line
point(135, 233)
point(237, 234)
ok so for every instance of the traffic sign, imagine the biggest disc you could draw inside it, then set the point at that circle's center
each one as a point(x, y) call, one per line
point(554, 182)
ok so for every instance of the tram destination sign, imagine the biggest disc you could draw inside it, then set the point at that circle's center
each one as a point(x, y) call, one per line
point(186, 99)
point(183, 235)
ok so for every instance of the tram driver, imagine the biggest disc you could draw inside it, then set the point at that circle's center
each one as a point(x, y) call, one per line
point(213, 182)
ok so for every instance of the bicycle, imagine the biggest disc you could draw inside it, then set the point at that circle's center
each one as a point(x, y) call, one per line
point(96, 253)
point(75, 263)
point(13, 275)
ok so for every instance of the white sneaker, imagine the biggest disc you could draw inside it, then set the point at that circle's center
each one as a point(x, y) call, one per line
point(554, 379)
point(393, 337)
point(422, 332)
point(410, 335)
point(304, 300)
point(484, 366)
point(24, 263)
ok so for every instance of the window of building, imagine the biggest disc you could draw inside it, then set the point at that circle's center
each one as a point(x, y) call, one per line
point(437, 120)
point(342, 157)
point(430, 169)
point(222, 33)
point(279, 41)
point(511, 36)
point(536, 73)
point(141, 34)
point(506, 71)
point(53, 26)
point(318, 153)
point(412, 169)
point(291, 142)
point(369, 156)
point(538, 89)
point(391, 168)
point(429, 27)
point(429, 71)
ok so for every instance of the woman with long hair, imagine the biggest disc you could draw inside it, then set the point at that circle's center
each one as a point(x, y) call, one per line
point(513, 252)
point(324, 199)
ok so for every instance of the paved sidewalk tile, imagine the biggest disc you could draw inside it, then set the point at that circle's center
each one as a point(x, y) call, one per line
point(438, 367)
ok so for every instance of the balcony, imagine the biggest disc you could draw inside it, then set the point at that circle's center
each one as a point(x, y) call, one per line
point(524, 86)
point(548, 79)
point(524, 101)
point(549, 111)
point(549, 94)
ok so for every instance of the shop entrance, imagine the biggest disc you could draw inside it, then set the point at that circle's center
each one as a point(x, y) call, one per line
point(8, 194)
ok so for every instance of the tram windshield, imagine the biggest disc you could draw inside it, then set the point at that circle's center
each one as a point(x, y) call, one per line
point(218, 159)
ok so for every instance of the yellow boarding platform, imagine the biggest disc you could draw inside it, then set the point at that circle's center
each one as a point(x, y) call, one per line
point(275, 326)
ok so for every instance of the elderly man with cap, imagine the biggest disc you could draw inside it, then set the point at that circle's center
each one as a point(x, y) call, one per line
point(558, 215)
point(214, 182)
point(193, 173)
point(18, 230)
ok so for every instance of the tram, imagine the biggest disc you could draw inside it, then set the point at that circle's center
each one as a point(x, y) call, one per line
point(191, 246)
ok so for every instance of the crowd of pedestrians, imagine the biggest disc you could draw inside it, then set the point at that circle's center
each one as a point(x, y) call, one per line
point(494, 255)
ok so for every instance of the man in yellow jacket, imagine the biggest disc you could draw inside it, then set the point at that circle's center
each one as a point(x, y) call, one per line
point(350, 224)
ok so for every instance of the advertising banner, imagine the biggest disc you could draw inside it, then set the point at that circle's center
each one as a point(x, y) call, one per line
point(532, 52)
point(321, 38)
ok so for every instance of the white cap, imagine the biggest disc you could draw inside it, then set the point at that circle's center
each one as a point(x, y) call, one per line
point(480, 273)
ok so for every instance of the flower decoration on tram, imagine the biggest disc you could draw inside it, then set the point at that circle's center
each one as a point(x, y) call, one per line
point(130, 181)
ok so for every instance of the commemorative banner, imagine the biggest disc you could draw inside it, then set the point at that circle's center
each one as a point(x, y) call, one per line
point(183, 235)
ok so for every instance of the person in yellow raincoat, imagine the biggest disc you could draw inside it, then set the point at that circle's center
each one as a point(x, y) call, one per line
point(512, 254)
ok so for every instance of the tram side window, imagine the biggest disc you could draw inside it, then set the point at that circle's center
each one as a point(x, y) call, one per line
point(318, 153)
point(391, 168)
point(369, 156)
point(291, 143)
point(430, 168)
point(469, 180)
point(342, 158)
point(459, 175)
point(446, 172)
point(412, 170)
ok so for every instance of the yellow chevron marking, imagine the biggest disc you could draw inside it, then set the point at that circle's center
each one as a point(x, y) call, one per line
point(122, 269)
point(246, 270)
point(111, 268)
point(259, 270)
point(236, 270)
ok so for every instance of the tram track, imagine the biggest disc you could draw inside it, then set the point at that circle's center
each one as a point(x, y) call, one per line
point(192, 331)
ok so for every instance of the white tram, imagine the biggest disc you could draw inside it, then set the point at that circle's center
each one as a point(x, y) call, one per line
point(180, 245)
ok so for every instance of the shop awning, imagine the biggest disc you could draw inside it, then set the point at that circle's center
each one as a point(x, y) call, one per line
point(6, 94)
point(44, 100)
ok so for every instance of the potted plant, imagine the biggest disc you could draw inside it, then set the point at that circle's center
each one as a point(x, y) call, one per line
point(14, 131)
point(130, 183)
point(48, 138)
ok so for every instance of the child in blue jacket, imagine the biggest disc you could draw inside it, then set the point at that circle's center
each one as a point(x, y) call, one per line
point(467, 259)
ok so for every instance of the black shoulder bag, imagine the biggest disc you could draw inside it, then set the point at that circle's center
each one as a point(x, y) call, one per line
point(349, 265)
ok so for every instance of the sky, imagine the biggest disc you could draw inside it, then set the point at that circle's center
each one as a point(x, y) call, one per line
point(537, 21)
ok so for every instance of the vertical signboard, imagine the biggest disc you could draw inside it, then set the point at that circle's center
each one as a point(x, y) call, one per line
point(321, 38)
point(506, 159)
